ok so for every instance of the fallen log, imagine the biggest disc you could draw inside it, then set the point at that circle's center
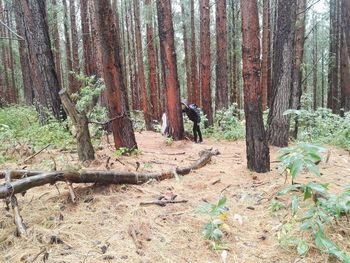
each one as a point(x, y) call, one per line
point(30, 179)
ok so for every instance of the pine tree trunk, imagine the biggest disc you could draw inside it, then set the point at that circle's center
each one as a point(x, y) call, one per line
point(132, 99)
point(258, 157)
point(75, 46)
point(169, 67)
point(194, 63)
point(298, 60)
point(221, 56)
point(68, 47)
point(234, 95)
point(109, 55)
point(205, 62)
point(278, 124)
point(141, 70)
point(89, 63)
point(345, 56)
point(186, 55)
point(315, 64)
point(152, 61)
point(266, 62)
point(56, 42)
point(46, 85)
point(26, 66)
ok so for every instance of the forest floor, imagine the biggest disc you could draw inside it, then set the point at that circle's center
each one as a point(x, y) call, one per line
point(97, 227)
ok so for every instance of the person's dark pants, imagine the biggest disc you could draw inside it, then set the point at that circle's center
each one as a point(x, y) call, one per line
point(196, 130)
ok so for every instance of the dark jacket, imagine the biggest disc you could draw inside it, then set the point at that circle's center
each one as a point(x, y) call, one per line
point(192, 114)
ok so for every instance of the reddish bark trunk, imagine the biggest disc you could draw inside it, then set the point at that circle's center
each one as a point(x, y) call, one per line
point(169, 66)
point(141, 70)
point(194, 64)
point(205, 69)
point(258, 158)
point(89, 63)
point(186, 55)
point(68, 47)
point(345, 56)
point(266, 62)
point(221, 56)
point(56, 42)
point(109, 55)
point(152, 62)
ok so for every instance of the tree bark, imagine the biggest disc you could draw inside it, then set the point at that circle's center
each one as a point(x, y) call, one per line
point(45, 79)
point(345, 56)
point(205, 61)
point(89, 63)
point(221, 56)
point(278, 124)
point(152, 62)
point(109, 56)
point(315, 62)
point(68, 47)
point(298, 60)
point(141, 70)
point(258, 157)
point(266, 56)
point(26, 67)
point(186, 54)
point(194, 63)
point(80, 121)
point(75, 46)
point(169, 67)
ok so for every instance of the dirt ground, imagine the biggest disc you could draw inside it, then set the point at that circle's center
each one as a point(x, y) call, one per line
point(97, 227)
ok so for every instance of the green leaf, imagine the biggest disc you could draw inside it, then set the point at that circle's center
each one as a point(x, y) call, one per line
point(296, 168)
point(307, 193)
point(288, 189)
point(217, 222)
point(295, 204)
point(306, 225)
point(302, 247)
point(312, 168)
point(217, 234)
point(222, 201)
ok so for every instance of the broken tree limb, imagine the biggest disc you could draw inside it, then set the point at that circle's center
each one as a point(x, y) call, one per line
point(35, 178)
point(163, 202)
point(35, 154)
point(21, 228)
point(80, 121)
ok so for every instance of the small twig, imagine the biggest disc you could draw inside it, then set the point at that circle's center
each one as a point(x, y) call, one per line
point(216, 181)
point(223, 190)
point(163, 202)
point(132, 233)
point(71, 192)
point(164, 153)
point(37, 255)
point(35, 154)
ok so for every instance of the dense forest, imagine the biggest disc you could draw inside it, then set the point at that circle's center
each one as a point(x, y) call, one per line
point(265, 82)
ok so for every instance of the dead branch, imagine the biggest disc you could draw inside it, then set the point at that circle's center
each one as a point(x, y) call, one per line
point(35, 154)
point(21, 228)
point(36, 178)
point(163, 202)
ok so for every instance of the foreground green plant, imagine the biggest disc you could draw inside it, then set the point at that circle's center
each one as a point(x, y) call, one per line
point(212, 230)
point(315, 210)
point(124, 151)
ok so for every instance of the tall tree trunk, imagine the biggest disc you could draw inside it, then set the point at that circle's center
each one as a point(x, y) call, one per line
point(26, 66)
point(136, 85)
point(266, 62)
point(221, 56)
point(68, 47)
point(152, 61)
point(258, 157)
point(5, 61)
point(56, 42)
point(205, 62)
point(169, 67)
point(298, 60)
point(186, 54)
point(194, 63)
point(141, 70)
point(345, 56)
point(132, 99)
point(278, 124)
point(234, 95)
point(75, 46)
point(109, 55)
point(315, 63)
point(46, 85)
point(89, 63)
